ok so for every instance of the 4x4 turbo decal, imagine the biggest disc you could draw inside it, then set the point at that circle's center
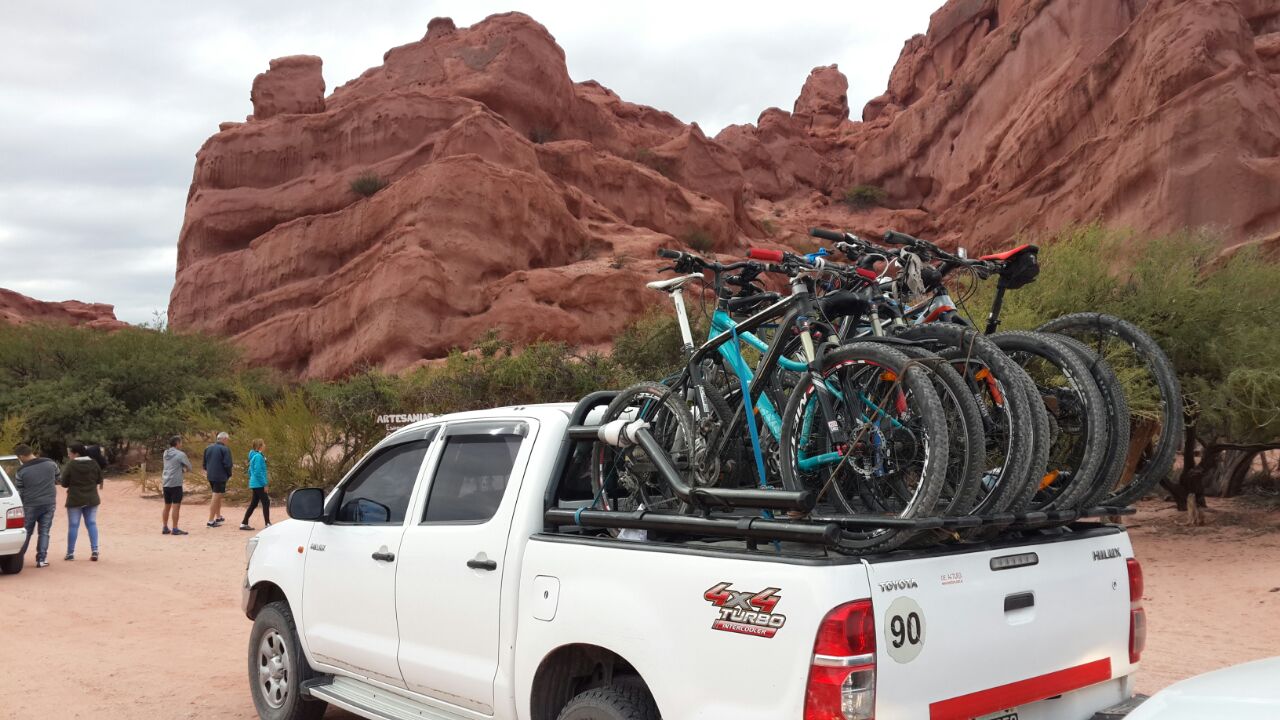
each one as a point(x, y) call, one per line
point(748, 613)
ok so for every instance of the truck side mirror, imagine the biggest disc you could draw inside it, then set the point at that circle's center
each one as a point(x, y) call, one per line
point(306, 504)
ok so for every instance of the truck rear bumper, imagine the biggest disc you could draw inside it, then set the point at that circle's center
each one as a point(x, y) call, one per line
point(1120, 710)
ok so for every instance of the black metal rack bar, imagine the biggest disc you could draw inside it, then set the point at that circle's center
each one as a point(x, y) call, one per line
point(749, 528)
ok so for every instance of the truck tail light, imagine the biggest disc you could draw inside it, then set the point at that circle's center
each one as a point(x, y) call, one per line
point(842, 676)
point(1137, 615)
point(15, 518)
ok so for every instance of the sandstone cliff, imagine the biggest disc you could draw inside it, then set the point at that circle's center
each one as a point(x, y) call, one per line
point(18, 309)
point(520, 200)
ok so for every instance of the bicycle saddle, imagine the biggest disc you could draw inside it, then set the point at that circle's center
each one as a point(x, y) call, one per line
point(674, 283)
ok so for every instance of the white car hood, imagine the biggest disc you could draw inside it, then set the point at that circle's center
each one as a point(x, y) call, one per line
point(1243, 692)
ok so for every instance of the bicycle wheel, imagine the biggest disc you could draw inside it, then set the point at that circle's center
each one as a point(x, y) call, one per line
point(897, 445)
point(1151, 387)
point(625, 478)
point(1002, 393)
point(1077, 411)
point(966, 453)
point(1117, 420)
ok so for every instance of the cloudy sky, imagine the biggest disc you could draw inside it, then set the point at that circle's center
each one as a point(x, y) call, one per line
point(104, 104)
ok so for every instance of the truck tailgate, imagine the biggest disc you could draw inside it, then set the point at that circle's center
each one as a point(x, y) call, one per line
point(966, 634)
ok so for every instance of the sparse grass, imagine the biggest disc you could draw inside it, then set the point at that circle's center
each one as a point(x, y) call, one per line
point(367, 184)
point(861, 197)
point(619, 262)
point(647, 157)
point(698, 241)
point(770, 227)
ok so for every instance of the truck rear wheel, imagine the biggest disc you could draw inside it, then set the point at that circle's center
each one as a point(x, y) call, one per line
point(277, 667)
point(12, 564)
point(607, 703)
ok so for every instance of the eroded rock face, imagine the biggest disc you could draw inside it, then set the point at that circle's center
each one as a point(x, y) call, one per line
point(18, 309)
point(520, 200)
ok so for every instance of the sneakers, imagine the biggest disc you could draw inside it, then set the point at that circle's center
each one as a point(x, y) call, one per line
point(213, 523)
point(42, 563)
point(70, 556)
point(94, 557)
point(165, 531)
point(176, 531)
point(219, 519)
point(245, 526)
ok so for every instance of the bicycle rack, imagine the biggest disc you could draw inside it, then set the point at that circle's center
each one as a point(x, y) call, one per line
point(819, 529)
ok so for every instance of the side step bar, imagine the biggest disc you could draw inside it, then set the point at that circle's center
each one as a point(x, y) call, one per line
point(370, 702)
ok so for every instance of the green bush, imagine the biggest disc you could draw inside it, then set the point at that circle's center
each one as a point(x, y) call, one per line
point(125, 389)
point(367, 184)
point(861, 197)
point(662, 165)
point(1211, 315)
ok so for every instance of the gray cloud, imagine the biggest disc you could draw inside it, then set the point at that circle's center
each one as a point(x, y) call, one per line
point(105, 104)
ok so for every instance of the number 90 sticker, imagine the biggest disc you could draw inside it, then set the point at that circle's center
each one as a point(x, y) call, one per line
point(904, 629)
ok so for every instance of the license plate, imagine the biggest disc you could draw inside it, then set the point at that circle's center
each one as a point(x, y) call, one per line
point(1002, 715)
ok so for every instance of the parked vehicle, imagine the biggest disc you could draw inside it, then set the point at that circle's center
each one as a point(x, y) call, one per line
point(13, 533)
point(1241, 692)
point(460, 570)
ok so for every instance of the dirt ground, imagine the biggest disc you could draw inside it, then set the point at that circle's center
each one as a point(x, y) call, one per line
point(154, 630)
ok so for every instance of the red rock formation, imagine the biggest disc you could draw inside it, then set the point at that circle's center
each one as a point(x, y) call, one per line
point(516, 197)
point(18, 309)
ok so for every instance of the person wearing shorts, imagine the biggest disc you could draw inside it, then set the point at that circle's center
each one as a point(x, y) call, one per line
point(217, 468)
point(176, 466)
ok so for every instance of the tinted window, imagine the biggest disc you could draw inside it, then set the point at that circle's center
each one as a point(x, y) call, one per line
point(472, 476)
point(380, 492)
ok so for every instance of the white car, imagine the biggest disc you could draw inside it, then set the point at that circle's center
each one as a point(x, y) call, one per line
point(1243, 692)
point(13, 533)
point(449, 577)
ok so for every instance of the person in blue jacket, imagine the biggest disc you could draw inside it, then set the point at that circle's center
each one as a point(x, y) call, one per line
point(258, 484)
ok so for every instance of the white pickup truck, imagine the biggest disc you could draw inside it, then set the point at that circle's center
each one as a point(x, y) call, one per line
point(430, 584)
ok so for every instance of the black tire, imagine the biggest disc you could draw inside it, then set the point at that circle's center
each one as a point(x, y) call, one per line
point(965, 455)
point(1009, 417)
point(1064, 382)
point(275, 623)
point(12, 564)
point(623, 478)
point(908, 485)
point(1097, 331)
point(606, 703)
point(1117, 420)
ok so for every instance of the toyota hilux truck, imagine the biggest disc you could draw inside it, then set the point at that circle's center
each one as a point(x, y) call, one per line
point(430, 583)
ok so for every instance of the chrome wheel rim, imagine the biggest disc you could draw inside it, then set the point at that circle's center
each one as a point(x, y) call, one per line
point(274, 666)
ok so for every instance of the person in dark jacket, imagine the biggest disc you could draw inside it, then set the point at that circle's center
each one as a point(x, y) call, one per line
point(217, 468)
point(37, 482)
point(82, 477)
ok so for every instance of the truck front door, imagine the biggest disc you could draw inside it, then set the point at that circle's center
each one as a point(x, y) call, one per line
point(450, 583)
point(348, 596)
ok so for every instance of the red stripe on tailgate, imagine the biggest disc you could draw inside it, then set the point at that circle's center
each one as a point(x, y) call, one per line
point(1021, 692)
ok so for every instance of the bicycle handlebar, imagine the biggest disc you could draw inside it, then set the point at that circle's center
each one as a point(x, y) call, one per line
point(772, 256)
point(831, 235)
point(669, 254)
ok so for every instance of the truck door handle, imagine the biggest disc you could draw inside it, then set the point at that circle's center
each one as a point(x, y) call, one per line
point(384, 556)
point(478, 564)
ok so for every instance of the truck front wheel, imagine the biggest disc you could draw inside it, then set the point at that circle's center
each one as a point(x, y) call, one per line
point(277, 667)
point(607, 703)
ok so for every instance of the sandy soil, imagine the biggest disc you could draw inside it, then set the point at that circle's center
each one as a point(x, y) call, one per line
point(154, 630)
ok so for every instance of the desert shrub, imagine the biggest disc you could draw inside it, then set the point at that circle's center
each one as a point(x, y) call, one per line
point(1208, 312)
point(494, 374)
point(861, 197)
point(649, 348)
point(662, 165)
point(769, 226)
point(128, 388)
point(698, 240)
point(367, 184)
point(13, 430)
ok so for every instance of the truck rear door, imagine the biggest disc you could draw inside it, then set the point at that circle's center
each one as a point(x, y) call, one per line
point(989, 633)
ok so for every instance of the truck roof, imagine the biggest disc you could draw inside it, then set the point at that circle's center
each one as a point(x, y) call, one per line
point(535, 410)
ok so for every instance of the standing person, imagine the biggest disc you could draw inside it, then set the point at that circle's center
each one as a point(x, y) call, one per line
point(258, 484)
point(217, 467)
point(176, 466)
point(37, 482)
point(82, 477)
